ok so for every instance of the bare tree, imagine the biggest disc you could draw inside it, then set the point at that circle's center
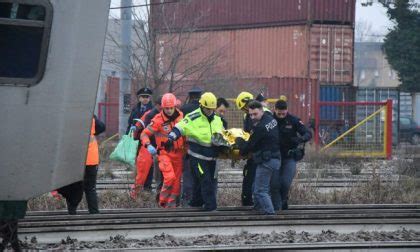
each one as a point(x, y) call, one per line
point(166, 57)
point(364, 32)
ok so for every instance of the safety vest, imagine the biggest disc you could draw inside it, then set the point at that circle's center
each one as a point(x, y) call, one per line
point(93, 150)
point(198, 130)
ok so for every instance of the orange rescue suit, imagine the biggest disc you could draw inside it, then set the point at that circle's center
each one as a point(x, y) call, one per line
point(170, 163)
point(144, 159)
point(93, 150)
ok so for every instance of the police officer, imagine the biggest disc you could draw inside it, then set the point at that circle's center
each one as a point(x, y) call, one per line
point(190, 105)
point(145, 104)
point(199, 126)
point(242, 101)
point(292, 136)
point(264, 146)
point(192, 101)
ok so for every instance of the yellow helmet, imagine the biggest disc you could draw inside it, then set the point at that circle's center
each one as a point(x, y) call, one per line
point(208, 100)
point(283, 98)
point(243, 99)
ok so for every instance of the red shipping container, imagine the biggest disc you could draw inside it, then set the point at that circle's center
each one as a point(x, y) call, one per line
point(331, 53)
point(302, 93)
point(323, 52)
point(238, 14)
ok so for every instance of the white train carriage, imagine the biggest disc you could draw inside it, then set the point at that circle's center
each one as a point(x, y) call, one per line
point(50, 60)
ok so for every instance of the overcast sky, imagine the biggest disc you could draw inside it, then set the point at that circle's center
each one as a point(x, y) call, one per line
point(374, 15)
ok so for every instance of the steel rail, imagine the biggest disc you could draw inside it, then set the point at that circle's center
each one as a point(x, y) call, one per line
point(190, 222)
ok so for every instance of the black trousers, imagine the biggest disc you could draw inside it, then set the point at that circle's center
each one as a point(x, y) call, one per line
point(248, 180)
point(73, 193)
point(204, 192)
point(89, 186)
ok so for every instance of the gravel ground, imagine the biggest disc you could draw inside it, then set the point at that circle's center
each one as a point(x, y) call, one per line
point(168, 241)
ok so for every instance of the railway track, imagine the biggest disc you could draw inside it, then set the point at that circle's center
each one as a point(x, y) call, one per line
point(52, 227)
point(321, 184)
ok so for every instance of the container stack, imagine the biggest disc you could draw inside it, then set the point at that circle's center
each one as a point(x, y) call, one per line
point(306, 43)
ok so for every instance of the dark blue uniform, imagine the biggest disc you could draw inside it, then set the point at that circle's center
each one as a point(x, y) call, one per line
point(187, 177)
point(264, 146)
point(190, 107)
point(137, 112)
point(249, 168)
point(292, 133)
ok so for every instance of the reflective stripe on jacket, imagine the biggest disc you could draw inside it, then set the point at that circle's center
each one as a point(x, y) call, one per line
point(198, 130)
point(160, 127)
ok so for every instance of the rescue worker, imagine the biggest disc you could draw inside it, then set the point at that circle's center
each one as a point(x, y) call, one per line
point(170, 162)
point(222, 106)
point(190, 105)
point(249, 169)
point(263, 144)
point(144, 161)
point(292, 135)
point(199, 126)
point(145, 104)
point(73, 193)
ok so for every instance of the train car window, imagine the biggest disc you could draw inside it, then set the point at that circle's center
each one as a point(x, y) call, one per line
point(25, 28)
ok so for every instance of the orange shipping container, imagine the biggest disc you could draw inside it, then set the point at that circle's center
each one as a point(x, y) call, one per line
point(323, 52)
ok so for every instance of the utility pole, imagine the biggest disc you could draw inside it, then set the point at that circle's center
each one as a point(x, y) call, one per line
point(125, 81)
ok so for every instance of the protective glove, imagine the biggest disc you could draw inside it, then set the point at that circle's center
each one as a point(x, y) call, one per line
point(151, 149)
point(169, 145)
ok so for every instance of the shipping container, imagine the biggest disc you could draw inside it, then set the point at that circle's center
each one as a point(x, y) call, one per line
point(323, 52)
point(331, 93)
point(331, 53)
point(239, 14)
point(302, 93)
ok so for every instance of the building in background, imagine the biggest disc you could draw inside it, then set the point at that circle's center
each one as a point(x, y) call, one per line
point(371, 68)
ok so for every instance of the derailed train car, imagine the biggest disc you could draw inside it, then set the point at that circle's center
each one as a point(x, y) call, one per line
point(50, 60)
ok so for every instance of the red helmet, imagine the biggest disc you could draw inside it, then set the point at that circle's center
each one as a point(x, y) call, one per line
point(168, 100)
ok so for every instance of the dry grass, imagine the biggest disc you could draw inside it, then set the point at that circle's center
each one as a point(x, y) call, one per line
point(374, 192)
point(404, 190)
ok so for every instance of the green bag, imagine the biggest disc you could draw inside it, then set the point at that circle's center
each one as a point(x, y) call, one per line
point(126, 150)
